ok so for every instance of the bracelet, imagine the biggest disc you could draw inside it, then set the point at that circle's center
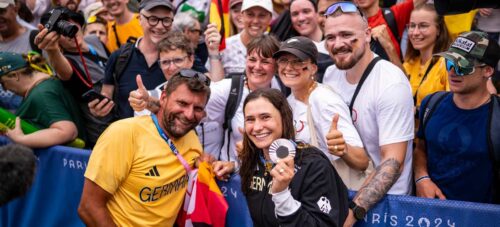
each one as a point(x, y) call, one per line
point(421, 178)
point(217, 57)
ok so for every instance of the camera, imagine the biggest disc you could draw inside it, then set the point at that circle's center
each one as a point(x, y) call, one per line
point(280, 149)
point(58, 23)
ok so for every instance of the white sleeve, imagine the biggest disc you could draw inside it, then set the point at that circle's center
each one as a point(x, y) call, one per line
point(325, 105)
point(219, 94)
point(395, 114)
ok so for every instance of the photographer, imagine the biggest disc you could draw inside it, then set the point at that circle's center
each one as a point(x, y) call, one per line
point(78, 63)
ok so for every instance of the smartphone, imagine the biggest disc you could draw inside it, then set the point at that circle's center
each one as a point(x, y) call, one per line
point(92, 95)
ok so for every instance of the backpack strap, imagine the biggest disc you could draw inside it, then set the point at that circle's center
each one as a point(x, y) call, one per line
point(232, 104)
point(122, 61)
point(391, 21)
point(494, 144)
point(430, 107)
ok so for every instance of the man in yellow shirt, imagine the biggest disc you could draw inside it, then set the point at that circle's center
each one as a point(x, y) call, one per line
point(126, 24)
point(137, 173)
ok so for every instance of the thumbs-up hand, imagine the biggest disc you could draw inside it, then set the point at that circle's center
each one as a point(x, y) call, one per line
point(139, 98)
point(334, 139)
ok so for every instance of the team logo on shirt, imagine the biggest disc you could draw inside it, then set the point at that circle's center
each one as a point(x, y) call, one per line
point(324, 205)
point(299, 125)
point(153, 172)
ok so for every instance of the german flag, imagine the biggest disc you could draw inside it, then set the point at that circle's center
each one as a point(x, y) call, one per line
point(204, 204)
point(219, 15)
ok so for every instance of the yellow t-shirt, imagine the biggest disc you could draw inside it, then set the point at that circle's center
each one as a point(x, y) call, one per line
point(136, 166)
point(131, 29)
point(436, 80)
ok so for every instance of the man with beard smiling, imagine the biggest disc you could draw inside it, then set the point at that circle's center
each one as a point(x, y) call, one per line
point(137, 173)
point(382, 108)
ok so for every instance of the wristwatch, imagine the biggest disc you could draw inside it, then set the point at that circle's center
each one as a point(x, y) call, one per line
point(359, 212)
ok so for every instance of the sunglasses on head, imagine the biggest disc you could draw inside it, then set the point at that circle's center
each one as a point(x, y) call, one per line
point(460, 71)
point(188, 73)
point(345, 7)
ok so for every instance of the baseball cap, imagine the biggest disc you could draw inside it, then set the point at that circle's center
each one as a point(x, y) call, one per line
point(11, 62)
point(93, 9)
point(5, 3)
point(266, 4)
point(472, 46)
point(150, 4)
point(234, 2)
point(300, 46)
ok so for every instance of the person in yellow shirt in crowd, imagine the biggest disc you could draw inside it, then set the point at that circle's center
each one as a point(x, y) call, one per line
point(137, 172)
point(126, 24)
point(428, 35)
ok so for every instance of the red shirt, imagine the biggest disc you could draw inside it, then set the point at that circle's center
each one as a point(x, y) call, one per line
point(401, 13)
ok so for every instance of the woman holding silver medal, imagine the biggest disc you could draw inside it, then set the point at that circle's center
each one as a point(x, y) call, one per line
point(298, 189)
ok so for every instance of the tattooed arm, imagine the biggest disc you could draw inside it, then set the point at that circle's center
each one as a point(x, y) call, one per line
point(382, 179)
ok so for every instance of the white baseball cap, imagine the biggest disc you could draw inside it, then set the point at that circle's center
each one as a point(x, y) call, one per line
point(5, 3)
point(266, 4)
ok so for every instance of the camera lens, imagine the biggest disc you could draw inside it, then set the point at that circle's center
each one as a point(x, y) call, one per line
point(66, 28)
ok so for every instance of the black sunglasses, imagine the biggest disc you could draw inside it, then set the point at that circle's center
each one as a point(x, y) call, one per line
point(189, 73)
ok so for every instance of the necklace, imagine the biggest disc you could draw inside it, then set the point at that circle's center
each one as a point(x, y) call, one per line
point(245, 82)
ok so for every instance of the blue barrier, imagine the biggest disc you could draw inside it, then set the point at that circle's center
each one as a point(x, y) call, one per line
point(53, 200)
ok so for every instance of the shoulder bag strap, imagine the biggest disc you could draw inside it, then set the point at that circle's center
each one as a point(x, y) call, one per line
point(431, 64)
point(362, 80)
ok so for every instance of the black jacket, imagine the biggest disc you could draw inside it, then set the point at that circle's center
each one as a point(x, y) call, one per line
point(316, 185)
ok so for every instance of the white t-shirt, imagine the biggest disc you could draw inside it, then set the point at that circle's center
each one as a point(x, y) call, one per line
point(321, 47)
point(208, 131)
point(234, 56)
point(216, 109)
point(382, 112)
point(324, 103)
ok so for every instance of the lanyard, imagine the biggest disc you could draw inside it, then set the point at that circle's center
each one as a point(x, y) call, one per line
point(94, 52)
point(170, 144)
point(268, 165)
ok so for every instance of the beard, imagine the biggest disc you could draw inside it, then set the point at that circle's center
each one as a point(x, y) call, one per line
point(350, 61)
point(174, 130)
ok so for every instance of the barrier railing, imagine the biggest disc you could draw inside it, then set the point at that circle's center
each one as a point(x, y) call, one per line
point(55, 194)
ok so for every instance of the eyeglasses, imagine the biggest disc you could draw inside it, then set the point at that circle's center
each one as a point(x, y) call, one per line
point(296, 63)
point(189, 73)
point(197, 31)
point(154, 20)
point(345, 7)
point(176, 61)
point(461, 71)
point(423, 27)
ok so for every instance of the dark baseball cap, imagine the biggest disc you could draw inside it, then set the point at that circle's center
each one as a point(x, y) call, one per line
point(11, 62)
point(300, 46)
point(150, 4)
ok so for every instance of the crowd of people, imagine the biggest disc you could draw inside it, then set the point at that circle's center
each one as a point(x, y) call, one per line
point(375, 100)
